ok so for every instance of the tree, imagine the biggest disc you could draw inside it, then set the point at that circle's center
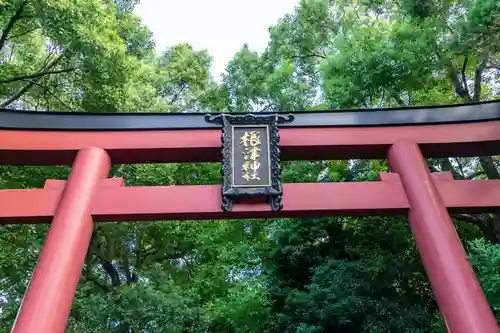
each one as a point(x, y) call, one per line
point(42, 40)
point(259, 83)
point(184, 82)
point(378, 54)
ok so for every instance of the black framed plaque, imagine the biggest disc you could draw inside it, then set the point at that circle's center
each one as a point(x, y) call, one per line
point(250, 157)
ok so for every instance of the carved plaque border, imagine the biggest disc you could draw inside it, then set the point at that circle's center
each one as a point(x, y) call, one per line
point(273, 190)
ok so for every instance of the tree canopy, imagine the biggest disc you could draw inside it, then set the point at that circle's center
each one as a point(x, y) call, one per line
point(314, 275)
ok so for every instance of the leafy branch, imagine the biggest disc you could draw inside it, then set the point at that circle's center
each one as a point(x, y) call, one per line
point(23, 33)
point(47, 90)
point(10, 24)
point(37, 75)
point(35, 78)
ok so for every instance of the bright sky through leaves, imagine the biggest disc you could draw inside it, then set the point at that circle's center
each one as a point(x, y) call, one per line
point(220, 26)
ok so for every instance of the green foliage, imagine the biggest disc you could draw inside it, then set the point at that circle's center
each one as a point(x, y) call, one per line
point(336, 274)
point(328, 275)
point(91, 42)
point(486, 259)
point(184, 82)
point(260, 83)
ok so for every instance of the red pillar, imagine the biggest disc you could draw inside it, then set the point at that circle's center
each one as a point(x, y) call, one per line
point(458, 293)
point(47, 302)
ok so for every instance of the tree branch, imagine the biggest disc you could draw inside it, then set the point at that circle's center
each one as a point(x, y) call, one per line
point(129, 276)
point(493, 66)
point(138, 251)
point(17, 95)
point(107, 265)
point(464, 77)
point(477, 81)
point(23, 33)
point(474, 175)
point(12, 49)
point(170, 257)
point(497, 163)
point(489, 167)
point(399, 100)
point(446, 165)
point(309, 55)
point(159, 257)
point(101, 285)
point(10, 24)
point(460, 167)
point(178, 94)
point(47, 90)
point(458, 86)
point(36, 75)
point(469, 218)
point(112, 272)
point(47, 59)
point(29, 85)
point(432, 168)
point(449, 28)
point(266, 108)
point(410, 98)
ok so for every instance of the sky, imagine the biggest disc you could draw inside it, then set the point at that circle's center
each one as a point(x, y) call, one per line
point(219, 26)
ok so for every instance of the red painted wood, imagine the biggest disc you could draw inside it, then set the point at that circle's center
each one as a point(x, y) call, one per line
point(458, 293)
point(203, 202)
point(299, 200)
point(470, 196)
point(117, 203)
point(47, 302)
point(388, 177)
point(441, 176)
point(41, 208)
point(56, 147)
point(58, 184)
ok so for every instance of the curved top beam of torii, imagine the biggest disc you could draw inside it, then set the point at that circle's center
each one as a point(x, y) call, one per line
point(48, 138)
point(102, 121)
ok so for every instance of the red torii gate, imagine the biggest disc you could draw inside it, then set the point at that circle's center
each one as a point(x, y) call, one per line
point(92, 142)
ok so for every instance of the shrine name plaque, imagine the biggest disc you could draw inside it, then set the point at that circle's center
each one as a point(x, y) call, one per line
point(250, 157)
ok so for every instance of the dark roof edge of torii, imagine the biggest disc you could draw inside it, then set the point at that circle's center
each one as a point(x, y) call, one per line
point(102, 121)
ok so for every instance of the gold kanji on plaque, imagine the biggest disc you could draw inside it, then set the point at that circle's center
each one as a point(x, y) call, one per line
point(251, 154)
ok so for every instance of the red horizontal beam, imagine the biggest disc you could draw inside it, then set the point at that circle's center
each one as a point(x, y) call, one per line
point(115, 203)
point(56, 147)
